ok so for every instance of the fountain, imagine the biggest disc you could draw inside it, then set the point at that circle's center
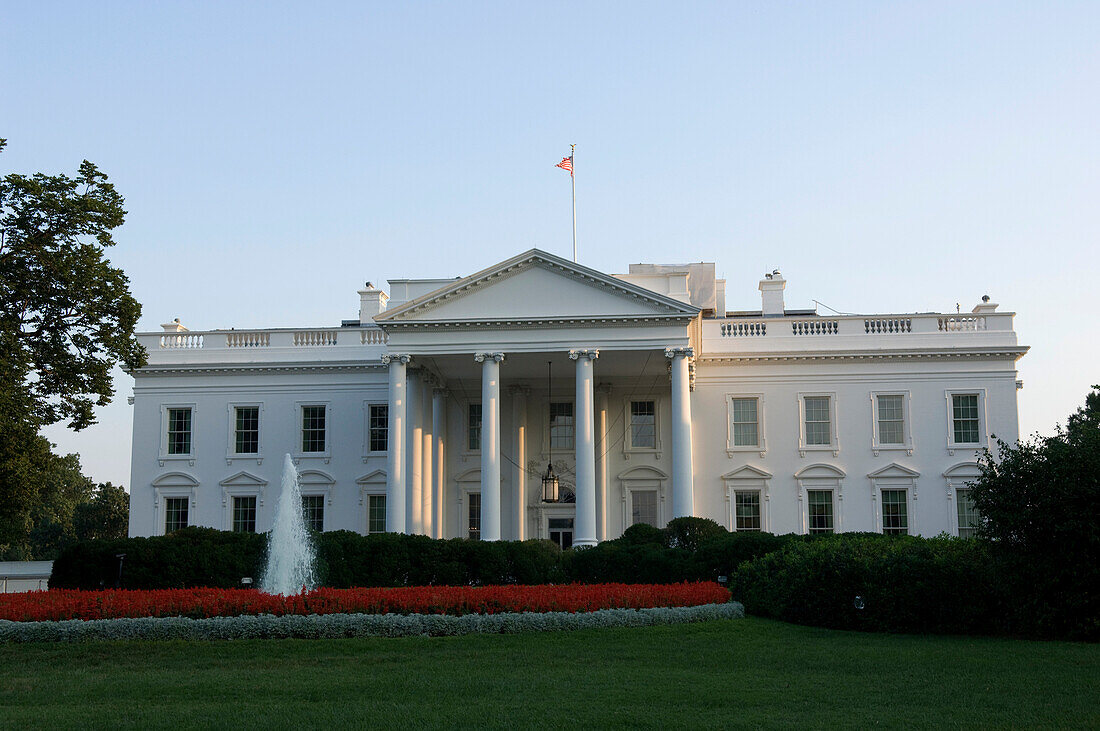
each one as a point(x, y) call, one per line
point(290, 554)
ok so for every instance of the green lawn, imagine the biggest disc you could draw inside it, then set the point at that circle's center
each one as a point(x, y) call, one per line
point(749, 672)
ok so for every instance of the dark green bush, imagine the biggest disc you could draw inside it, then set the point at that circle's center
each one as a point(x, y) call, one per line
point(720, 555)
point(641, 563)
point(690, 533)
point(189, 557)
point(903, 584)
point(641, 534)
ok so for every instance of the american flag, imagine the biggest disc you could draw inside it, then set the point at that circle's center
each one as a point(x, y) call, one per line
point(566, 164)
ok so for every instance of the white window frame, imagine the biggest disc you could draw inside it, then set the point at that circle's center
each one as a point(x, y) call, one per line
point(748, 479)
point(163, 455)
point(242, 484)
point(371, 484)
point(546, 428)
point(318, 482)
point(644, 478)
point(231, 443)
point(906, 444)
point(173, 484)
point(367, 451)
point(298, 455)
point(324, 507)
point(761, 446)
point(881, 512)
point(628, 447)
point(983, 421)
point(466, 451)
point(958, 477)
point(834, 424)
point(895, 477)
point(820, 477)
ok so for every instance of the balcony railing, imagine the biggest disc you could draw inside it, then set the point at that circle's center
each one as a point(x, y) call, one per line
point(244, 340)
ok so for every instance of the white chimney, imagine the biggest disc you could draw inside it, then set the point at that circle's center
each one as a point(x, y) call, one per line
point(985, 306)
point(771, 294)
point(371, 302)
point(174, 327)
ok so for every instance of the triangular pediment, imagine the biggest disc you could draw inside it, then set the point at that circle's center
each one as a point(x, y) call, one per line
point(243, 479)
point(536, 286)
point(747, 472)
point(894, 470)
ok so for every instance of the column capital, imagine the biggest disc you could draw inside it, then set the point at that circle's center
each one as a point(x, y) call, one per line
point(671, 353)
point(441, 392)
point(388, 358)
point(482, 357)
point(604, 388)
point(590, 353)
point(519, 390)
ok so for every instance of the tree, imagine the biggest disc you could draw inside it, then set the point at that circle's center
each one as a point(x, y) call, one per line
point(66, 319)
point(1038, 503)
point(105, 516)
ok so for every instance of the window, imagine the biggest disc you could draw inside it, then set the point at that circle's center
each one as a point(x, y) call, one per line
point(820, 504)
point(643, 507)
point(175, 514)
point(179, 431)
point(561, 531)
point(964, 418)
point(378, 427)
point(246, 430)
point(818, 425)
point(891, 419)
point(313, 428)
point(313, 512)
point(473, 427)
point(747, 506)
point(895, 517)
point(643, 424)
point(244, 514)
point(745, 421)
point(968, 516)
point(562, 430)
point(376, 514)
point(473, 515)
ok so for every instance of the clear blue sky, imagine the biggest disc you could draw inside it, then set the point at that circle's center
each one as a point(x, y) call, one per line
point(887, 156)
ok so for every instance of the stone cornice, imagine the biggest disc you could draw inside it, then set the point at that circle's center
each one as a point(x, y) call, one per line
point(1012, 354)
point(197, 369)
point(528, 323)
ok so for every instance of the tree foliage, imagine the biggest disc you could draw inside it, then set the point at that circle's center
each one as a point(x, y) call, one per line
point(1038, 501)
point(66, 319)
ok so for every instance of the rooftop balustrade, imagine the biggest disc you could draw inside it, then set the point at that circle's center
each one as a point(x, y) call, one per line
point(239, 346)
point(753, 334)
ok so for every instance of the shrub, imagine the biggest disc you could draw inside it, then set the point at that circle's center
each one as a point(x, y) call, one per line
point(903, 584)
point(641, 534)
point(690, 533)
point(720, 555)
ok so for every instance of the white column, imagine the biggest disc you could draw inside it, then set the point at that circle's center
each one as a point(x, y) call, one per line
point(414, 494)
point(395, 454)
point(683, 501)
point(584, 528)
point(519, 452)
point(426, 470)
point(602, 445)
point(490, 444)
point(439, 425)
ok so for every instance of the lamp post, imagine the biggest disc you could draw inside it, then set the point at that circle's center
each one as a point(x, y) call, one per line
point(549, 480)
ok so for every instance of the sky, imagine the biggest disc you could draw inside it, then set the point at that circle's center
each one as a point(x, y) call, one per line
point(887, 156)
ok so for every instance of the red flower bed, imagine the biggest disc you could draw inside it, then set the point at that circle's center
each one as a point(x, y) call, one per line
point(58, 604)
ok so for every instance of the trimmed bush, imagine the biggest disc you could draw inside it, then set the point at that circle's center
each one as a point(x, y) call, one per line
point(878, 583)
point(690, 533)
point(720, 555)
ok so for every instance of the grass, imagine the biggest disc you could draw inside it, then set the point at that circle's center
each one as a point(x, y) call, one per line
point(749, 672)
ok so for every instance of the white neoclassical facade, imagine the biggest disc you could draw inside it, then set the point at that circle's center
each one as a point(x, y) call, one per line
point(439, 409)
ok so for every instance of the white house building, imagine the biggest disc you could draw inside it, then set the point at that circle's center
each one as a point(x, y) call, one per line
point(439, 409)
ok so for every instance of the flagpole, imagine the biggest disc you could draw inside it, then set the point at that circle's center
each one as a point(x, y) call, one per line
point(573, 179)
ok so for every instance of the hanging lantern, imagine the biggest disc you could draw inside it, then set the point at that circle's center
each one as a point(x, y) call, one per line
point(550, 485)
point(549, 480)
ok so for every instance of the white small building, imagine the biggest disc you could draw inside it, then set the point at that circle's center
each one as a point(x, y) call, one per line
point(439, 409)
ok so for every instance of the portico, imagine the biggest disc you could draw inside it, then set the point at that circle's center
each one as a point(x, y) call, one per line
point(584, 326)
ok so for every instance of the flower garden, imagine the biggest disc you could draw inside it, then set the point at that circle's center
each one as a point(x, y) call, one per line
point(200, 603)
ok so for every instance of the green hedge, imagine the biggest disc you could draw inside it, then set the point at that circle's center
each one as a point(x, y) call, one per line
point(879, 583)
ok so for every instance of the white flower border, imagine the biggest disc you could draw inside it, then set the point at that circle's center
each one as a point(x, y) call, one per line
point(335, 626)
